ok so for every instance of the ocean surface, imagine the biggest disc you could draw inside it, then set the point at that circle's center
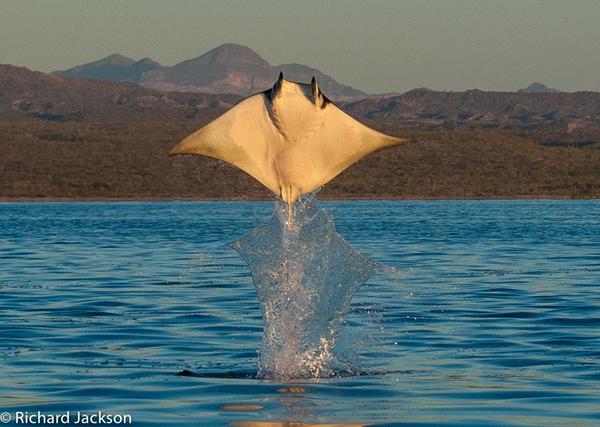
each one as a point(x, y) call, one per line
point(487, 314)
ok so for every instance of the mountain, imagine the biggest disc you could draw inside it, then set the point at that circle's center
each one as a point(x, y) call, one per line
point(537, 87)
point(423, 108)
point(115, 67)
point(26, 94)
point(232, 68)
point(229, 68)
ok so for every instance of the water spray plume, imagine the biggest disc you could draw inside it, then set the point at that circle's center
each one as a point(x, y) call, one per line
point(305, 275)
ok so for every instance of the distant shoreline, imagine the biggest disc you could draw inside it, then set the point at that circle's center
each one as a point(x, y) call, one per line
point(266, 199)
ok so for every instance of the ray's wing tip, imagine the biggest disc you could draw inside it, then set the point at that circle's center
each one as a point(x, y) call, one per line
point(395, 140)
point(185, 146)
point(177, 149)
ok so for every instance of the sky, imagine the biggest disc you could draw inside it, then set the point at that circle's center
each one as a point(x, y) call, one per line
point(376, 46)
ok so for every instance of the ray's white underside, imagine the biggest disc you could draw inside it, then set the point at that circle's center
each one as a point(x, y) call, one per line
point(291, 139)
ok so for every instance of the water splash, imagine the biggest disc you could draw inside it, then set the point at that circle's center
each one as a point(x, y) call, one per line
point(305, 275)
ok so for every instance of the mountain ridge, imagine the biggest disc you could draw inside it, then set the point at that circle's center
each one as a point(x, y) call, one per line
point(25, 94)
point(115, 67)
point(229, 68)
point(537, 87)
point(33, 95)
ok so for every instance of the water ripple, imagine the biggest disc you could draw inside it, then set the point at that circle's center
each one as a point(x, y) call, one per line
point(490, 314)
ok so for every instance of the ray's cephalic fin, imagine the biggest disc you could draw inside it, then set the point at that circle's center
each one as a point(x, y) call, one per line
point(276, 89)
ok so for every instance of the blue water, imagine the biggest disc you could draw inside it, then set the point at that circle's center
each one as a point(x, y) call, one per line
point(491, 315)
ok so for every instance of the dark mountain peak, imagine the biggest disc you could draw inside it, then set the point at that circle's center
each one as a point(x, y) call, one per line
point(537, 87)
point(419, 91)
point(115, 59)
point(148, 61)
point(115, 67)
point(233, 49)
point(229, 54)
point(294, 66)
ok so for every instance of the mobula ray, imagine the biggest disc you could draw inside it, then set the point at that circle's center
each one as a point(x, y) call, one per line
point(291, 138)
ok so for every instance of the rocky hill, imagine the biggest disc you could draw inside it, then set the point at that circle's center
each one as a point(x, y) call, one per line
point(475, 108)
point(115, 67)
point(26, 94)
point(229, 68)
point(537, 87)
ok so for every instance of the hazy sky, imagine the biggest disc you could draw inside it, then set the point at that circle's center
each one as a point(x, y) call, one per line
point(376, 45)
